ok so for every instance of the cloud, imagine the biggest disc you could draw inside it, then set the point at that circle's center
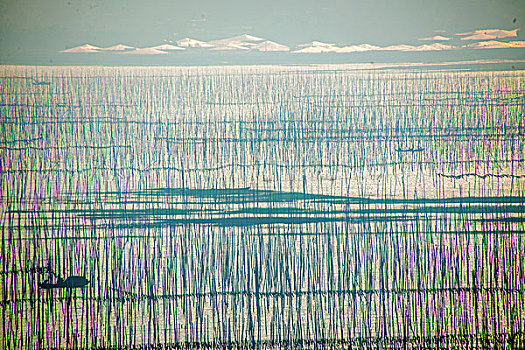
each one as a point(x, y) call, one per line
point(202, 18)
point(145, 51)
point(319, 47)
point(436, 38)
point(434, 47)
point(118, 47)
point(187, 42)
point(358, 48)
point(519, 44)
point(410, 48)
point(168, 47)
point(240, 42)
point(270, 46)
point(315, 44)
point(494, 44)
point(487, 34)
point(480, 36)
point(316, 47)
point(229, 47)
point(401, 47)
point(86, 48)
point(237, 39)
point(246, 42)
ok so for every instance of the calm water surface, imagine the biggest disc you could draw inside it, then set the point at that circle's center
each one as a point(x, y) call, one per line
point(270, 207)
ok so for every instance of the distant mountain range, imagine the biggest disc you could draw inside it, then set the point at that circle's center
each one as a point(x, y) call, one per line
point(243, 42)
point(247, 43)
point(251, 49)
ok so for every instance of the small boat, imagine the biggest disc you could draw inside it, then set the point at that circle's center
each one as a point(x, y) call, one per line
point(45, 83)
point(70, 282)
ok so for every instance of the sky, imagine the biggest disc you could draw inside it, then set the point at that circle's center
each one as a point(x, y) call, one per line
point(35, 30)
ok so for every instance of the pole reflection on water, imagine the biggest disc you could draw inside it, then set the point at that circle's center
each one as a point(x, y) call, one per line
point(262, 207)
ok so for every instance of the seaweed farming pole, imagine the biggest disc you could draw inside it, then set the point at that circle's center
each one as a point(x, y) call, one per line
point(262, 207)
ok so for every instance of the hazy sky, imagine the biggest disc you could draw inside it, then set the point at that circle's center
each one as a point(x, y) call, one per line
point(29, 26)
